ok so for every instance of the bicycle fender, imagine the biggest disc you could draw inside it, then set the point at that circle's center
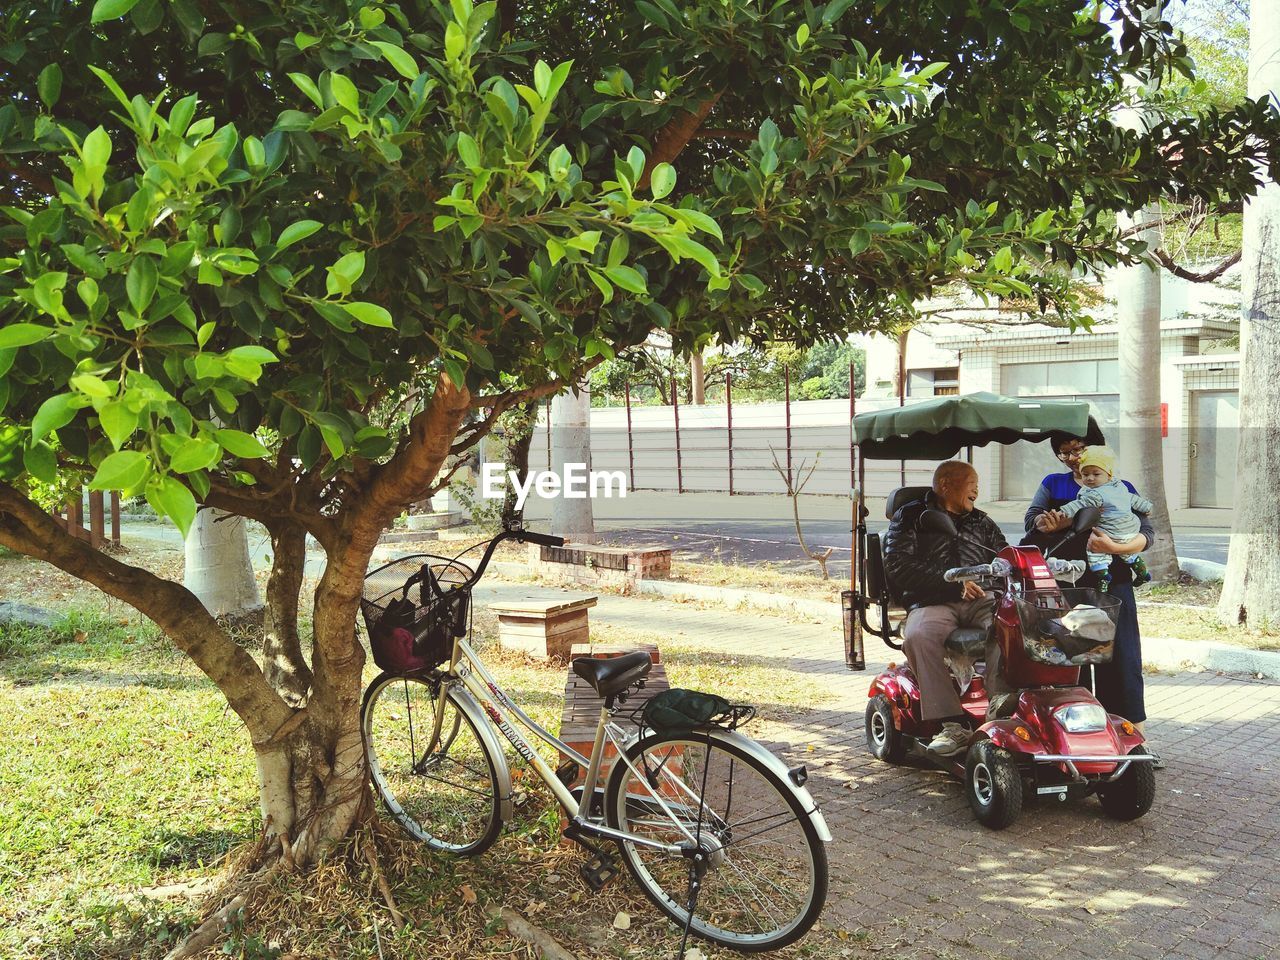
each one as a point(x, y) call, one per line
point(773, 762)
point(467, 704)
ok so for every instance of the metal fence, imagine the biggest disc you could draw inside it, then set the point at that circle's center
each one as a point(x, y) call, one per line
point(732, 447)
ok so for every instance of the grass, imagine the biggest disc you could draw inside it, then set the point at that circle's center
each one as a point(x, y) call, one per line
point(123, 777)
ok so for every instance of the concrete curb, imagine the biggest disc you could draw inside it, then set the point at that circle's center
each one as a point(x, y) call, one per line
point(1165, 653)
point(1202, 569)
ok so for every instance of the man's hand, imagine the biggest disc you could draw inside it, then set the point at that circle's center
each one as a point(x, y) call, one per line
point(972, 591)
point(1051, 521)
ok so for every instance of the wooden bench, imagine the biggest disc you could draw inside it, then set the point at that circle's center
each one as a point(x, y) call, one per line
point(591, 564)
point(544, 626)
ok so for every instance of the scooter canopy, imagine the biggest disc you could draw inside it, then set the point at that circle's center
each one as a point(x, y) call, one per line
point(938, 429)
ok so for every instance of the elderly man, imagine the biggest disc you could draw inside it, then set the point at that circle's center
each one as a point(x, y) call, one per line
point(915, 561)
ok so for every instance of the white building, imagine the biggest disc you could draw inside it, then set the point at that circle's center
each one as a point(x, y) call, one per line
point(1198, 369)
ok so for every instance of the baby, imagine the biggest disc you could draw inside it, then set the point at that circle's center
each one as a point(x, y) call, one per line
point(1097, 472)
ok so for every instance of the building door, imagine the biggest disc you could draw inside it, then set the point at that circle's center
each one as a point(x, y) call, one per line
point(1215, 421)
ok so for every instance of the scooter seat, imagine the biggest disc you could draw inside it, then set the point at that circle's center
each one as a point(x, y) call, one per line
point(968, 642)
point(610, 676)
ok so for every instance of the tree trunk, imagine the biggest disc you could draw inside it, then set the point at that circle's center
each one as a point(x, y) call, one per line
point(1138, 305)
point(697, 381)
point(282, 660)
point(571, 443)
point(1251, 591)
point(218, 569)
point(517, 459)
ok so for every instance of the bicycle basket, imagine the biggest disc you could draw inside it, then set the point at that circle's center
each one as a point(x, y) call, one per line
point(413, 608)
point(1068, 628)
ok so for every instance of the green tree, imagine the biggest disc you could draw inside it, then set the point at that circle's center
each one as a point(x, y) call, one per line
point(239, 235)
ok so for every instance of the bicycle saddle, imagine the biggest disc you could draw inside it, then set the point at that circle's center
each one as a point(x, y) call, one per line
point(609, 676)
point(970, 642)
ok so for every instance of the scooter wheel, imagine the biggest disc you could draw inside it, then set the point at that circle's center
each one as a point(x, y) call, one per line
point(1131, 796)
point(884, 740)
point(993, 785)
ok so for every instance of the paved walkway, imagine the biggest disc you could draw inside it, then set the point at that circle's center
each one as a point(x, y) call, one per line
point(914, 877)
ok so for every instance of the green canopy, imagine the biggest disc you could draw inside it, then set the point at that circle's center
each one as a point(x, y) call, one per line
point(938, 429)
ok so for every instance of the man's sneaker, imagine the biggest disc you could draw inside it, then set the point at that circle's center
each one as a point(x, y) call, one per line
point(1140, 573)
point(953, 738)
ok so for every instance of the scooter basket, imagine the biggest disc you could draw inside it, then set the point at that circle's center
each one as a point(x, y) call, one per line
point(1070, 627)
point(412, 630)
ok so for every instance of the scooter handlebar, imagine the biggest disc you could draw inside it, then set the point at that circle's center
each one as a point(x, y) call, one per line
point(998, 567)
point(975, 572)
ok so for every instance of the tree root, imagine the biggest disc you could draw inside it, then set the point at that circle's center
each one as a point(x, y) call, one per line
point(371, 855)
point(203, 936)
point(518, 926)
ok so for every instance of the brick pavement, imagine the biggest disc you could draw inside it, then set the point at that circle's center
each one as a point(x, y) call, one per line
point(915, 877)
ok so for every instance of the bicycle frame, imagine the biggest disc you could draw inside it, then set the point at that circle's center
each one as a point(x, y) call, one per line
point(466, 667)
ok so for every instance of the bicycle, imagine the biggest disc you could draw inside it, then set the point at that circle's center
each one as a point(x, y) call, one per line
point(717, 832)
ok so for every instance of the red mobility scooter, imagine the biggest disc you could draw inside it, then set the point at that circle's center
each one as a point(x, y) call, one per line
point(1051, 737)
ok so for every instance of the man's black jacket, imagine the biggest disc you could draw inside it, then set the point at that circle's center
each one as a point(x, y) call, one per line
point(915, 560)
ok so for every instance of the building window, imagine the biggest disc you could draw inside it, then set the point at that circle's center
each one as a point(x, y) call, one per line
point(933, 382)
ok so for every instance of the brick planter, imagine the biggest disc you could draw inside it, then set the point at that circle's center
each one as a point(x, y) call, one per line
point(582, 708)
point(589, 564)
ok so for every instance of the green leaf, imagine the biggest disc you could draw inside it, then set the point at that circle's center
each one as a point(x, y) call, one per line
point(344, 274)
point(297, 232)
point(802, 35)
point(627, 278)
point(122, 470)
point(370, 313)
point(700, 221)
point(140, 283)
point(97, 149)
point(345, 92)
point(118, 422)
point(860, 240)
point(196, 453)
point(23, 335)
point(469, 151)
point(252, 353)
point(308, 87)
point(401, 61)
point(663, 180)
point(605, 287)
point(41, 462)
point(54, 414)
point(105, 10)
point(92, 386)
point(241, 444)
point(170, 498)
point(49, 84)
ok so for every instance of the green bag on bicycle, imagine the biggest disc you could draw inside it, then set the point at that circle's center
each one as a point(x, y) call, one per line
point(679, 711)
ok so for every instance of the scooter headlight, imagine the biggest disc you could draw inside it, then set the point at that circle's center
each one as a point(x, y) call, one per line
point(1082, 718)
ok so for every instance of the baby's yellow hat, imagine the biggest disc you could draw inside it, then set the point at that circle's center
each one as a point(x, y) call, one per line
point(1101, 457)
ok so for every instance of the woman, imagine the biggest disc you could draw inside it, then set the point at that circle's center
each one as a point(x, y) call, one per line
point(1118, 684)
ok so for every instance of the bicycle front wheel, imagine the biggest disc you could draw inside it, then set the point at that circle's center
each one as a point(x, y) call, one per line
point(766, 882)
point(442, 789)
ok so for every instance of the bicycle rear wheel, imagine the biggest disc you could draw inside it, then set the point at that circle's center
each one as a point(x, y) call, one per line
point(767, 879)
point(443, 791)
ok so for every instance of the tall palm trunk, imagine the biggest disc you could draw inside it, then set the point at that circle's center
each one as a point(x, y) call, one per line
point(1141, 444)
point(1251, 592)
point(571, 443)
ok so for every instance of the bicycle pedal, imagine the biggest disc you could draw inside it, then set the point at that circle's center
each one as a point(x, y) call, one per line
point(598, 871)
point(568, 773)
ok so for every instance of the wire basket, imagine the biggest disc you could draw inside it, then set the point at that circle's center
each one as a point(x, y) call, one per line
point(413, 608)
point(1070, 627)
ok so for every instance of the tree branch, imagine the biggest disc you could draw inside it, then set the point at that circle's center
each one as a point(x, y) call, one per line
point(675, 136)
point(1207, 276)
point(26, 528)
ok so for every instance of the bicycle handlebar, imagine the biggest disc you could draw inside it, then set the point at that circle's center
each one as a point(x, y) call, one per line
point(545, 539)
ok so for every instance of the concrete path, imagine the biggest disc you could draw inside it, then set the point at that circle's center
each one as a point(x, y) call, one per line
point(913, 876)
